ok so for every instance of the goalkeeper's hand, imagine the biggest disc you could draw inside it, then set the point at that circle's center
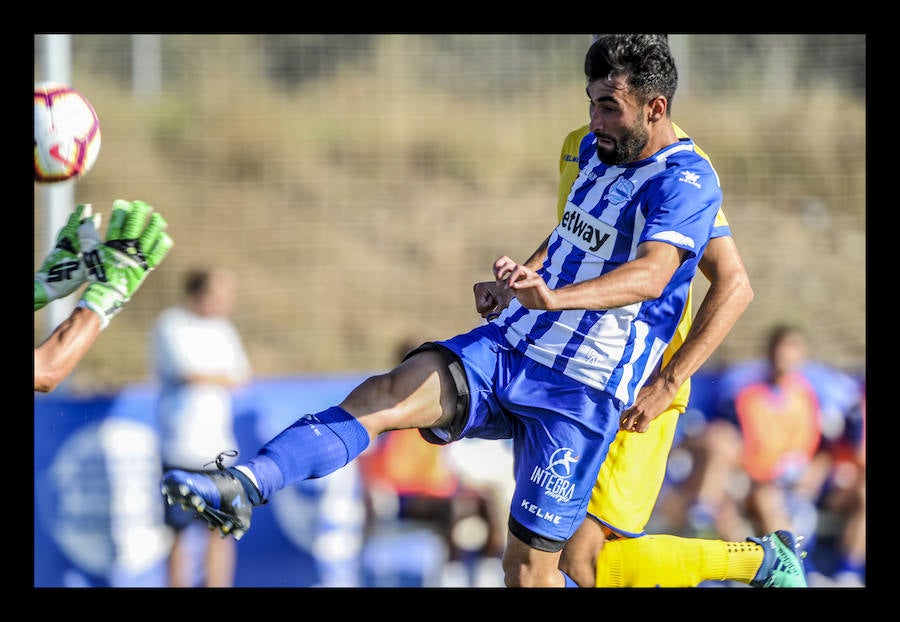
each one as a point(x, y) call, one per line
point(62, 271)
point(116, 268)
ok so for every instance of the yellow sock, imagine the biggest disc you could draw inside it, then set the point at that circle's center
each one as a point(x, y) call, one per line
point(672, 561)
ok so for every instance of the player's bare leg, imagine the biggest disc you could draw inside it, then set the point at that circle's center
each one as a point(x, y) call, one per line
point(524, 566)
point(418, 393)
point(579, 557)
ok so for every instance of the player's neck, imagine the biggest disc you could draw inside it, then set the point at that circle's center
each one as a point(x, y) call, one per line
point(662, 134)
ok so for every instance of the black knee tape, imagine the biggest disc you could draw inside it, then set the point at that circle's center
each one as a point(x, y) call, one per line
point(535, 541)
point(458, 373)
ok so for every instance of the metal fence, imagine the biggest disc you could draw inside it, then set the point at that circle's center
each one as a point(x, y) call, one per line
point(359, 184)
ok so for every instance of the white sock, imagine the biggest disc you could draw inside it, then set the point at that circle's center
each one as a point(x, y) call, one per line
point(246, 471)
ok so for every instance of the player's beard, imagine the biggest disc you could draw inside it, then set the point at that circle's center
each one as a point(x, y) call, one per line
point(627, 147)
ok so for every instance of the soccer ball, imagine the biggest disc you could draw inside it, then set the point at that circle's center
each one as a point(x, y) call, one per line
point(66, 133)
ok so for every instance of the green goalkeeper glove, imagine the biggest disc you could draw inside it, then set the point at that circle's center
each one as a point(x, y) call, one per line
point(117, 267)
point(62, 271)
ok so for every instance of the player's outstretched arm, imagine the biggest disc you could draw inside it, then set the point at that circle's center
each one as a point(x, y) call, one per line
point(62, 271)
point(728, 296)
point(57, 356)
point(136, 242)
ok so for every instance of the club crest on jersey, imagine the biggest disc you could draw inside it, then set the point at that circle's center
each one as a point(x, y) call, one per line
point(620, 191)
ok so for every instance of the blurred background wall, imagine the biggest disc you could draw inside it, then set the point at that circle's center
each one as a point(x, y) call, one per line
point(360, 184)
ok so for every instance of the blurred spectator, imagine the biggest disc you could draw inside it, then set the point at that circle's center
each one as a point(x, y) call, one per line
point(704, 483)
point(485, 469)
point(781, 429)
point(775, 453)
point(843, 504)
point(199, 359)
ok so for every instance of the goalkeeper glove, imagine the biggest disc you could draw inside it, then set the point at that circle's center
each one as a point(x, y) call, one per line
point(62, 271)
point(117, 267)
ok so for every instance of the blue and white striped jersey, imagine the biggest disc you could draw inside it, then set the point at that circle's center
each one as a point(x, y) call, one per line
point(671, 197)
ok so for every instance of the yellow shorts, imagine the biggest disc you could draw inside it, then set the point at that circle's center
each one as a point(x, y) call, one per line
point(631, 477)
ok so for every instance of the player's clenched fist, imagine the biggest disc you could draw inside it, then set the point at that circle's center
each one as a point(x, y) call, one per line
point(136, 242)
point(62, 271)
point(526, 284)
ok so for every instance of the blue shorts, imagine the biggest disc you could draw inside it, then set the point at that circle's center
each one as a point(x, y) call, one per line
point(561, 431)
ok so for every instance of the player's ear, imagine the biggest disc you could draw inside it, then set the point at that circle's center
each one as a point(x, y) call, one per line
point(657, 109)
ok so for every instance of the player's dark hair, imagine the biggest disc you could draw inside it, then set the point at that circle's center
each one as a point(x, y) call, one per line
point(644, 59)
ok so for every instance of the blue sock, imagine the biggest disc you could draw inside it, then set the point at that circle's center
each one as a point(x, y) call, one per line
point(569, 582)
point(314, 446)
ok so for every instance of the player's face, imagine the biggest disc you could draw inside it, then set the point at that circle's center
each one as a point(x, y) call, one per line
point(617, 121)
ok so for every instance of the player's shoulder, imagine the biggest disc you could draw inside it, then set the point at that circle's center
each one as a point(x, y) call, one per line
point(685, 155)
point(578, 133)
point(687, 173)
point(680, 133)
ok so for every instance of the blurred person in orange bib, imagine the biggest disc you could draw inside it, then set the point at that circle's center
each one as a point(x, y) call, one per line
point(785, 403)
point(769, 438)
point(781, 430)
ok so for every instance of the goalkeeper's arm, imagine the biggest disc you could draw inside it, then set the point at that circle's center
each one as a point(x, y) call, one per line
point(115, 269)
point(58, 355)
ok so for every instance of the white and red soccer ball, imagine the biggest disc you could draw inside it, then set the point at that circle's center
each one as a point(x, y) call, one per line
point(66, 133)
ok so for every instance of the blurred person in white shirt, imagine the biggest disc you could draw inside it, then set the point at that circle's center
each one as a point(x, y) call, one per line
point(199, 359)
